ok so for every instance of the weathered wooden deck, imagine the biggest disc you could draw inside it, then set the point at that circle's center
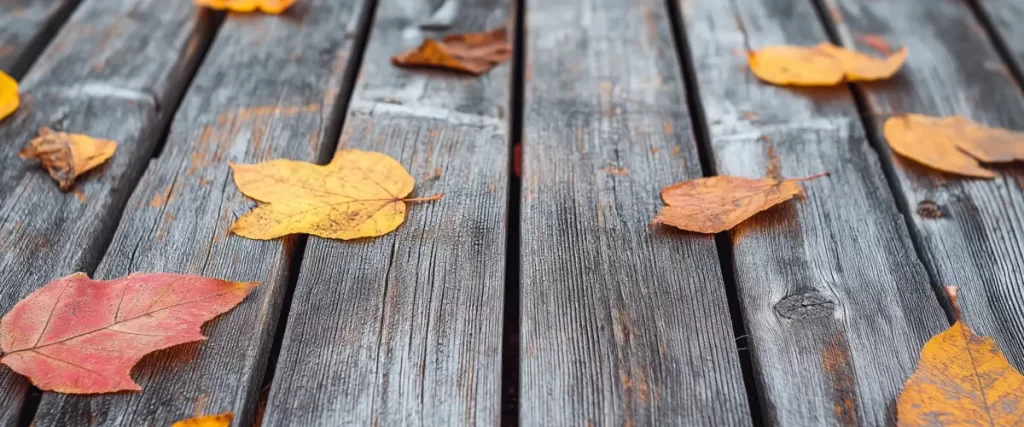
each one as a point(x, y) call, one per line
point(537, 300)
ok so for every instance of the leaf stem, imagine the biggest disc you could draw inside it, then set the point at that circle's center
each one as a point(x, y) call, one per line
point(812, 177)
point(424, 199)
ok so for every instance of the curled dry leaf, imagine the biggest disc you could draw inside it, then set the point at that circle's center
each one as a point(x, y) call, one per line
point(961, 379)
point(822, 65)
point(358, 194)
point(9, 100)
point(67, 156)
point(952, 144)
point(78, 335)
point(219, 420)
point(719, 203)
point(266, 6)
point(474, 53)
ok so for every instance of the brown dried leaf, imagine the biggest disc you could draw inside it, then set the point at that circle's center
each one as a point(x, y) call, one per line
point(953, 144)
point(719, 203)
point(67, 156)
point(474, 53)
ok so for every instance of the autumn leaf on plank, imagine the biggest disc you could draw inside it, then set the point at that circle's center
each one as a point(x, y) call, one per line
point(78, 335)
point(473, 53)
point(219, 420)
point(66, 156)
point(274, 7)
point(719, 203)
point(961, 379)
point(9, 99)
point(822, 65)
point(952, 144)
point(358, 194)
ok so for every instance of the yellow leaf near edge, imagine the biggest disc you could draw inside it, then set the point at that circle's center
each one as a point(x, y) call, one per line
point(66, 156)
point(358, 194)
point(273, 7)
point(962, 379)
point(821, 65)
point(952, 144)
point(219, 420)
point(719, 203)
point(9, 100)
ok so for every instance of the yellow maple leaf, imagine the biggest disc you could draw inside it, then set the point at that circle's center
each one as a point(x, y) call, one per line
point(267, 6)
point(9, 100)
point(821, 65)
point(219, 420)
point(66, 156)
point(358, 194)
point(962, 379)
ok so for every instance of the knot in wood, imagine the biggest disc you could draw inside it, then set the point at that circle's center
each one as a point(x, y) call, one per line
point(929, 209)
point(806, 305)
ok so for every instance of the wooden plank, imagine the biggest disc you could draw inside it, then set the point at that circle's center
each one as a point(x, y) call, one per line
point(835, 301)
point(1005, 17)
point(621, 325)
point(25, 28)
point(405, 329)
point(114, 71)
point(971, 230)
point(238, 109)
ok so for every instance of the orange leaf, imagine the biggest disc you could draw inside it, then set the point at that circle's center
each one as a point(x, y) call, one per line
point(961, 379)
point(474, 53)
point(358, 194)
point(9, 99)
point(219, 420)
point(952, 144)
point(67, 156)
point(267, 6)
point(719, 203)
point(822, 65)
point(78, 335)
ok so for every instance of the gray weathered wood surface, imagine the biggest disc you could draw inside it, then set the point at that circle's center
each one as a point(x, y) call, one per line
point(25, 27)
point(835, 302)
point(1006, 17)
point(976, 241)
point(268, 89)
point(621, 325)
point(114, 71)
point(405, 329)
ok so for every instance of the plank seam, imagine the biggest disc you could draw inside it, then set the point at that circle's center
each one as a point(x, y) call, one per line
point(997, 39)
point(38, 44)
point(876, 142)
point(723, 244)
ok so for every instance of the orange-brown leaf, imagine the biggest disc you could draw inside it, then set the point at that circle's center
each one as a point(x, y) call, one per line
point(953, 144)
point(822, 65)
point(266, 6)
point(9, 99)
point(962, 379)
point(67, 156)
point(78, 335)
point(474, 53)
point(715, 204)
point(219, 420)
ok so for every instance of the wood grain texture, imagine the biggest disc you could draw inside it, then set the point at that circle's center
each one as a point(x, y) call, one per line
point(621, 325)
point(107, 74)
point(25, 27)
point(1005, 17)
point(835, 301)
point(971, 230)
point(267, 90)
point(405, 329)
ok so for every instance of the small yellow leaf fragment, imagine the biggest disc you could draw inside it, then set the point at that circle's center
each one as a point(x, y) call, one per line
point(66, 156)
point(219, 420)
point(952, 144)
point(962, 379)
point(719, 203)
point(273, 7)
point(9, 100)
point(358, 194)
point(821, 65)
